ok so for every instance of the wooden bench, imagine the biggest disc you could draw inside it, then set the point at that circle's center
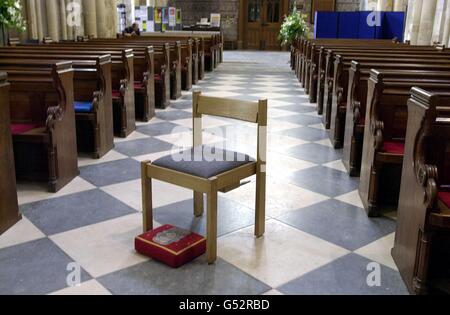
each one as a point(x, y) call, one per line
point(189, 61)
point(384, 140)
point(334, 114)
point(144, 63)
point(356, 106)
point(422, 241)
point(122, 78)
point(174, 64)
point(9, 209)
point(304, 53)
point(43, 122)
point(92, 98)
point(322, 67)
point(211, 47)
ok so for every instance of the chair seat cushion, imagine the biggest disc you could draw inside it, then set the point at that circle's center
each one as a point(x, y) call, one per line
point(445, 198)
point(204, 161)
point(83, 107)
point(116, 94)
point(17, 129)
point(394, 147)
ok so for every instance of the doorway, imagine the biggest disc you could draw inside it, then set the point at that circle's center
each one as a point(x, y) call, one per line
point(262, 23)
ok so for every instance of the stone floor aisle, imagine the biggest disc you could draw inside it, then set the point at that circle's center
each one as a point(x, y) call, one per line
point(318, 240)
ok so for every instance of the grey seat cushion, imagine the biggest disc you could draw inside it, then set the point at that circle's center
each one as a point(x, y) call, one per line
point(204, 161)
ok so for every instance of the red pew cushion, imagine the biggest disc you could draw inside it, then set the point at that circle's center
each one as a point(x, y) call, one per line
point(158, 77)
point(445, 198)
point(171, 245)
point(116, 94)
point(17, 129)
point(138, 85)
point(394, 147)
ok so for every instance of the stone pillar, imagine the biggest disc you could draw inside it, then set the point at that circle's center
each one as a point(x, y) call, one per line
point(439, 21)
point(32, 19)
point(63, 19)
point(102, 28)
point(385, 5)
point(90, 17)
point(408, 22)
point(426, 22)
point(400, 5)
point(40, 25)
point(415, 23)
point(446, 29)
point(52, 19)
point(79, 30)
point(111, 14)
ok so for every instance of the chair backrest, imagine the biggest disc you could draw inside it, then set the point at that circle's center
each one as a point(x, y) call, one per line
point(253, 112)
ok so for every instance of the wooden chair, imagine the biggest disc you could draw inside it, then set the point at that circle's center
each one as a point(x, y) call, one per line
point(208, 177)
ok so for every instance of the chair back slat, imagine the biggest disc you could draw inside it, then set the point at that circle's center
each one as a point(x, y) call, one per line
point(228, 108)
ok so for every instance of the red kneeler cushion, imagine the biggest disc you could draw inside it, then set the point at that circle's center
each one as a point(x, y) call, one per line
point(171, 245)
point(394, 147)
point(445, 198)
point(17, 129)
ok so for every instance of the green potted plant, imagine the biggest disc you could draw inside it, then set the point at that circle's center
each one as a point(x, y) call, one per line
point(294, 26)
point(11, 17)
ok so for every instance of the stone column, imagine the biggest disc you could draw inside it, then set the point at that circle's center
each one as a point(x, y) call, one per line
point(111, 20)
point(40, 25)
point(439, 21)
point(102, 28)
point(426, 22)
point(415, 23)
point(52, 19)
point(400, 5)
point(446, 29)
point(79, 30)
point(32, 19)
point(408, 22)
point(90, 17)
point(385, 5)
point(63, 19)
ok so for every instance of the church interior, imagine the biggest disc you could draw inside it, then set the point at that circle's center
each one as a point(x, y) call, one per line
point(225, 148)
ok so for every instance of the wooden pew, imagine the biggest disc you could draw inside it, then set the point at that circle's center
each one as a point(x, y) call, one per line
point(215, 38)
point(174, 64)
point(92, 98)
point(187, 58)
point(322, 67)
point(143, 66)
point(43, 122)
point(384, 138)
point(356, 106)
point(122, 78)
point(422, 241)
point(334, 115)
point(210, 47)
point(9, 209)
point(306, 51)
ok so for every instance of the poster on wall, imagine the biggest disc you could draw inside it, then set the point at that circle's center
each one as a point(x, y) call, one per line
point(172, 17)
point(158, 19)
point(215, 20)
point(179, 20)
point(141, 17)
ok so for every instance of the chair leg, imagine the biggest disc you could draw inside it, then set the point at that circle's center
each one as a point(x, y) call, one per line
point(211, 227)
point(198, 204)
point(260, 207)
point(147, 206)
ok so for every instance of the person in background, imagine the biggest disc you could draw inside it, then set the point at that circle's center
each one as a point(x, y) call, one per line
point(133, 30)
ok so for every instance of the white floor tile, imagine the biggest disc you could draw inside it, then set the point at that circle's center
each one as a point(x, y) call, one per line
point(282, 255)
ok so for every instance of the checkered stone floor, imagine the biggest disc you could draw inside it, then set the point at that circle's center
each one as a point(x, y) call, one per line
point(318, 240)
